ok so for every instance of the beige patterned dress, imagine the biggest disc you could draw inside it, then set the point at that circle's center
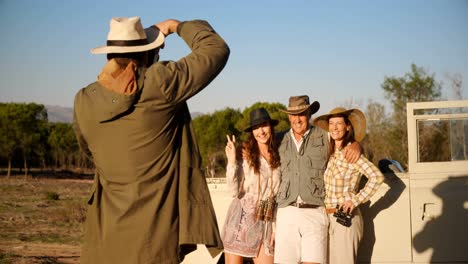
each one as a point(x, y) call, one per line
point(242, 234)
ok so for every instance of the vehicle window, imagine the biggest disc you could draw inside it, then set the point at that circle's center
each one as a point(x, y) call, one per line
point(442, 140)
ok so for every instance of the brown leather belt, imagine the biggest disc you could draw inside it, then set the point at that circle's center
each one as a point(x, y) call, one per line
point(304, 205)
point(330, 210)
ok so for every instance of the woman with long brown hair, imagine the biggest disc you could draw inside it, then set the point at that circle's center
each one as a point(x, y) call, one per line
point(253, 178)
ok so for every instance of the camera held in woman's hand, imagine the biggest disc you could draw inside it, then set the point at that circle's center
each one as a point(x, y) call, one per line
point(342, 217)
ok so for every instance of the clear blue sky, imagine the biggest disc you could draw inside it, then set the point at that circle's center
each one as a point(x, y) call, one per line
point(336, 52)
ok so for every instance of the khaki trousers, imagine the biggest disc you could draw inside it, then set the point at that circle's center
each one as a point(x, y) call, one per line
point(343, 242)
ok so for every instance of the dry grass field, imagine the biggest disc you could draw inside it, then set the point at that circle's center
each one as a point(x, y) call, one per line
point(41, 219)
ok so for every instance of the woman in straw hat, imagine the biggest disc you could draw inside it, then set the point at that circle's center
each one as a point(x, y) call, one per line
point(342, 196)
point(254, 181)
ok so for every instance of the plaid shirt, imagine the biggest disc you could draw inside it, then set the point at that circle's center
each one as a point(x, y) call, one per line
point(342, 180)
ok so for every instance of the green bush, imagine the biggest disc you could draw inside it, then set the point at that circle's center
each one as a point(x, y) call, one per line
point(52, 196)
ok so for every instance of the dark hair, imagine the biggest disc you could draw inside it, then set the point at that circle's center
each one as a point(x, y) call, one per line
point(348, 136)
point(123, 59)
point(253, 152)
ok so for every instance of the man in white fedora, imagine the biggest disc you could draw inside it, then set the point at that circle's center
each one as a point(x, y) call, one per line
point(150, 202)
point(301, 220)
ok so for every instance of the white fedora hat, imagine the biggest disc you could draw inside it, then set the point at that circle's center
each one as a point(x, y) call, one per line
point(127, 35)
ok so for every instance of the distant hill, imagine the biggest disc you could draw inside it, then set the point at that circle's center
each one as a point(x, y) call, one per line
point(59, 114)
point(65, 114)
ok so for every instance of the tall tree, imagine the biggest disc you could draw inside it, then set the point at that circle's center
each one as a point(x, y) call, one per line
point(63, 144)
point(8, 133)
point(415, 86)
point(32, 124)
point(456, 85)
point(376, 145)
point(211, 131)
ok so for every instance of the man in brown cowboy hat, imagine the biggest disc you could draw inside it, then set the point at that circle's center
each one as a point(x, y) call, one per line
point(150, 202)
point(302, 222)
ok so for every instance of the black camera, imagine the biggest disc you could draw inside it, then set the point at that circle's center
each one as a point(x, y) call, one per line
point(342, 217)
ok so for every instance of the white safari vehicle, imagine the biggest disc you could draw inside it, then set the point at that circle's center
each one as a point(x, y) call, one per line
point(419, 216)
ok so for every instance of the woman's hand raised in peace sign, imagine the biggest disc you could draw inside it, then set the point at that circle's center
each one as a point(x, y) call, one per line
point(231, 149)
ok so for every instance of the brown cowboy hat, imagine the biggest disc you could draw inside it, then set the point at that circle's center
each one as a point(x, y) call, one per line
point(355, 116)
point(260, 116)
point(299, 104)
point(127, 35)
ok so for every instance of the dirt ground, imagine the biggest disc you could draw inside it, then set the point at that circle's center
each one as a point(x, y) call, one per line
point(41, 219)
point(23, 252)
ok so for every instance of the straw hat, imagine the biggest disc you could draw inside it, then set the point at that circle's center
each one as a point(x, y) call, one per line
point(260, 116)
point(355, 116)
point(299, 104)
point(127, 35)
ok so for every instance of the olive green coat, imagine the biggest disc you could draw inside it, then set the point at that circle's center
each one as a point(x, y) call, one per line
point(150, 202)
